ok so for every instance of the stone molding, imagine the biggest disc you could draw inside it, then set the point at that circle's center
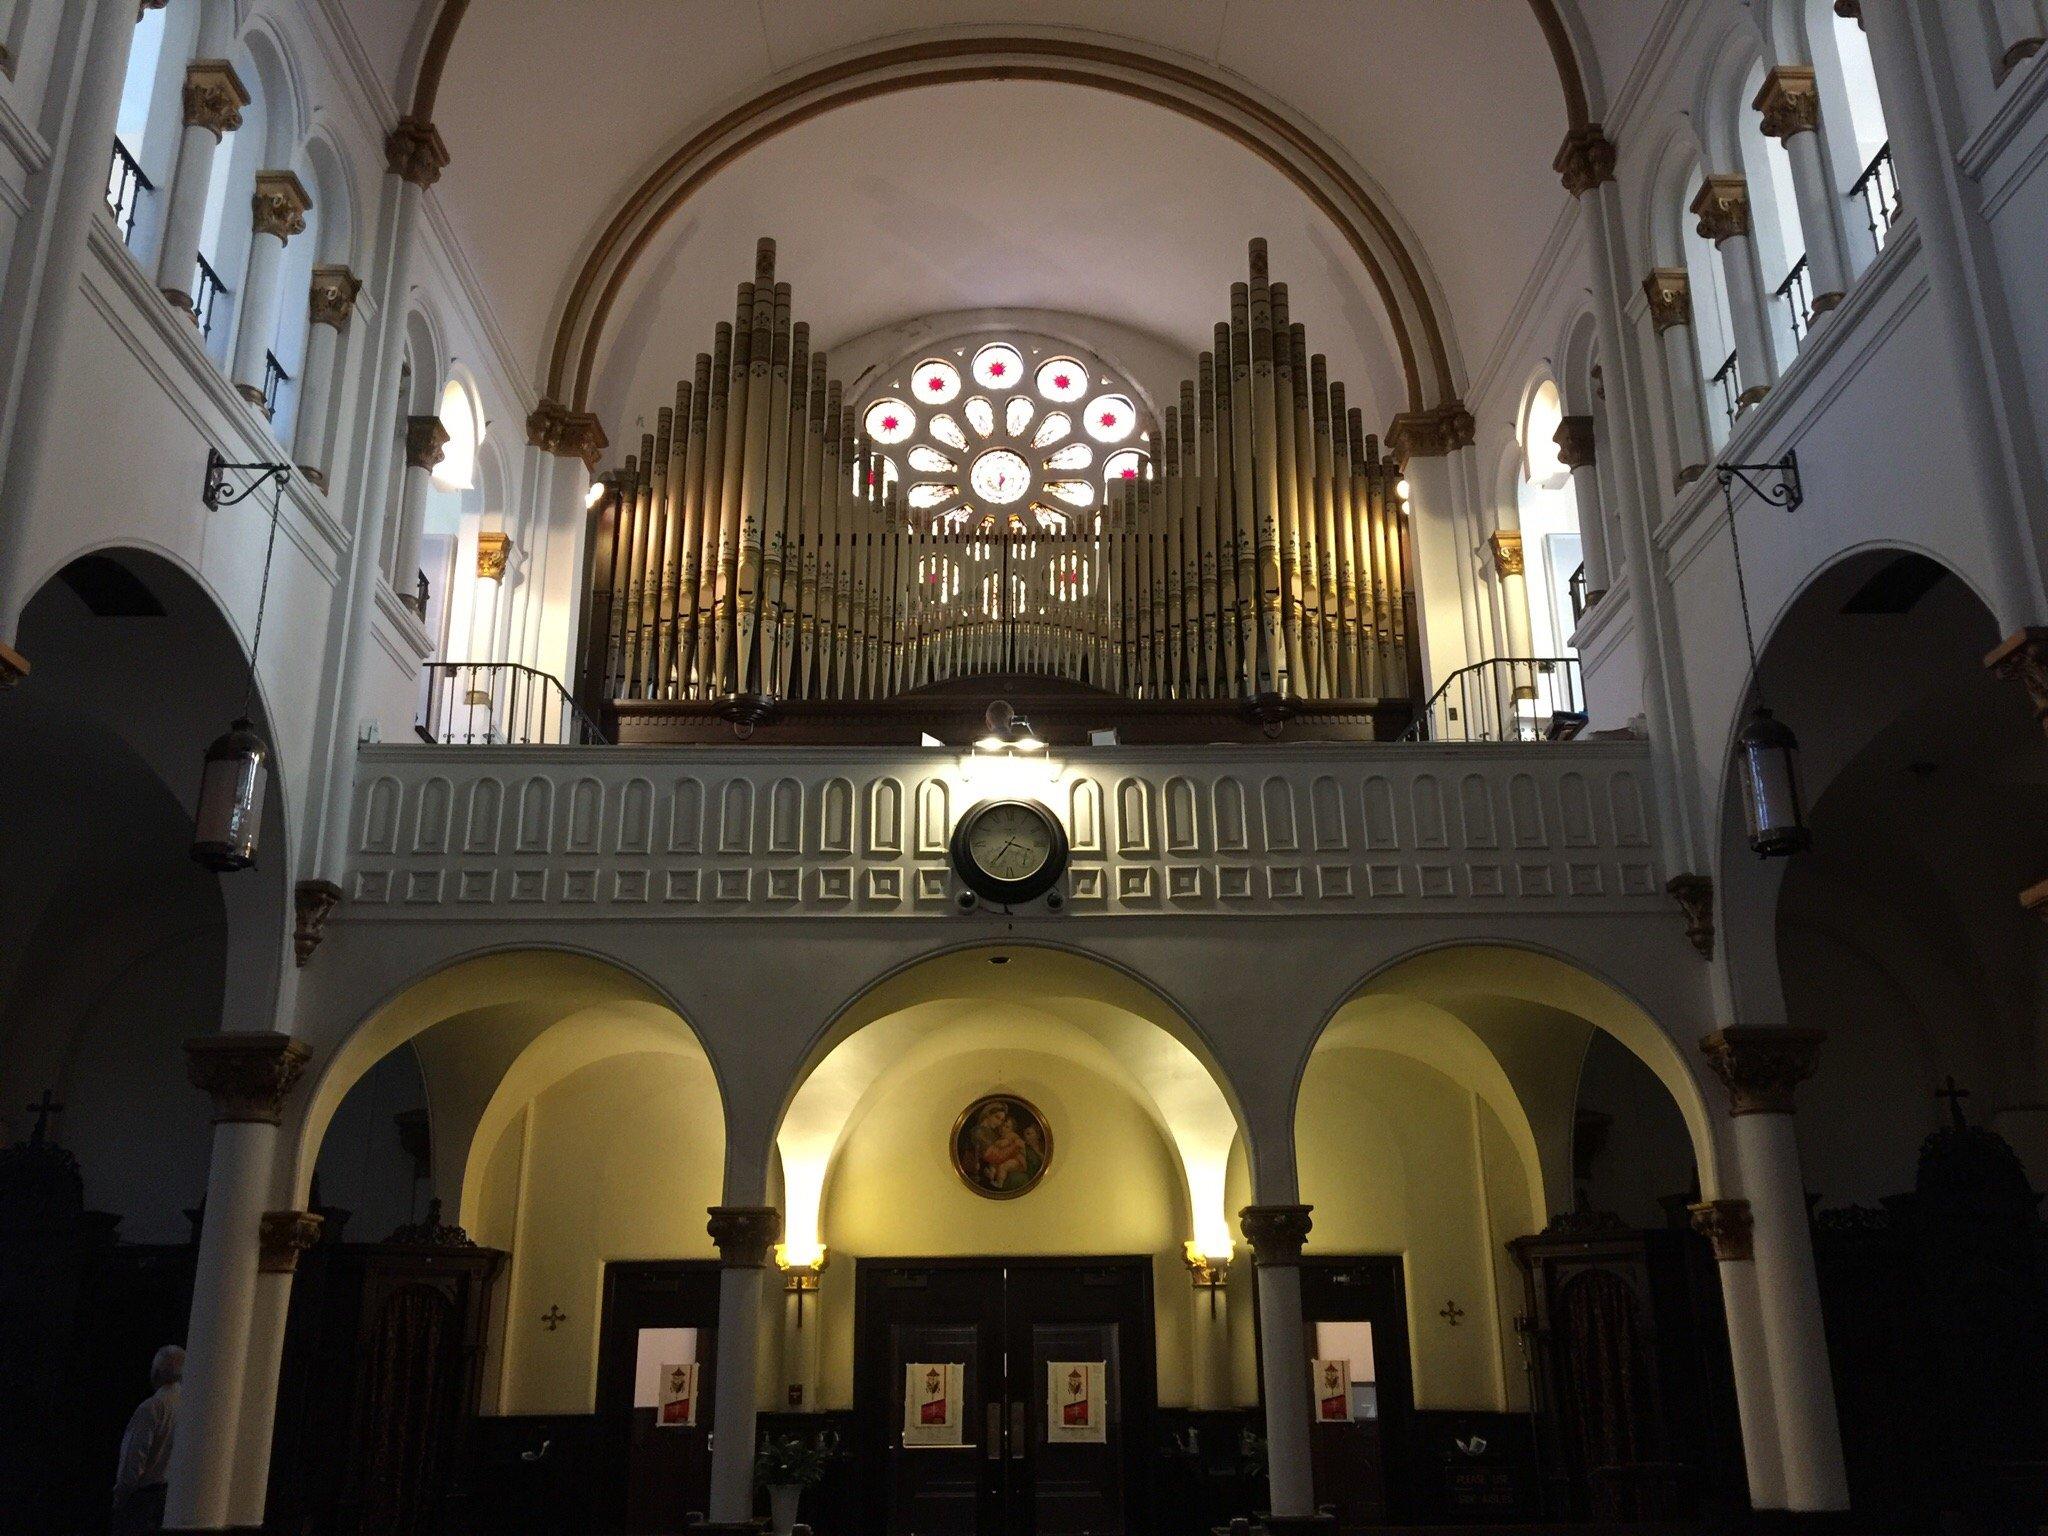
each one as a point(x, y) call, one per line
point(425, 438)
point(1761, 1065)
point(744, 1234)
point(1722, 207)
point(1575, 443)
point(2023, 655)
point(1669, 292)
point(280, 205)
point(1276, 1232)
point(555, 429)
point(1431, 434)
point(332, 299)
point(1695, 896)
point(214, 97)
point(249, 1074)
point(1507, 552)
point(284, 1236)
point(313, 902)
point(1586, 159)
point(414, 151)
point(1727, 1226)
point(1789, 101)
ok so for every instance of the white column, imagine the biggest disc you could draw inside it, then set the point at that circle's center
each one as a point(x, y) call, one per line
point(1790, 105)
point(249, 1075)
point(1510, 569)
point(1722, 208)
point(330, 304)
point(283, 1235)
point(1728, 1226)
point(280, 206)
point(1447, 609)
point(1276, 1234)
point(2019, 32)
point(1577, 452)
point(214, 98)
point(1669, 292)
point(425, 437)
point(71, 193)
point(1761, 1067)
point(744, 1234)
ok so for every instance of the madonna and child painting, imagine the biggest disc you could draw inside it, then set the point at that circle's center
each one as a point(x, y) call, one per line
point(1001, 1146)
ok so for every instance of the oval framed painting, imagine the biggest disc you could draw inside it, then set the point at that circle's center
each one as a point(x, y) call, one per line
point(1001, 1146)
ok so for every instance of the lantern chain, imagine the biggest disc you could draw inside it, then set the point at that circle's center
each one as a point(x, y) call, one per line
point(217, 494)
point(1785, 491)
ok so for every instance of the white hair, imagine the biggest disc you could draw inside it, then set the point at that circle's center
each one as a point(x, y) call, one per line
point(167, 1366)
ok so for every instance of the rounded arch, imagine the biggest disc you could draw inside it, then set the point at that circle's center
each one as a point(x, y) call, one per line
point(335, 201)
point(1578, 365)
point(426, 357)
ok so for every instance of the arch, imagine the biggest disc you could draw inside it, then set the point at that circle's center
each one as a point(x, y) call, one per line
point(334, 198)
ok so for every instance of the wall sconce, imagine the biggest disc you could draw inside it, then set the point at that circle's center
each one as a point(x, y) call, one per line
point(1207, 1272)
point(800, 1279)
point(1768, 752)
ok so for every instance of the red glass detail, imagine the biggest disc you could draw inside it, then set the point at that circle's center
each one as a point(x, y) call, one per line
point(997, 370)
point(1109, 418)
point(935, 384)
point(1130, 472)
point(889, 423)
point(1061, 381)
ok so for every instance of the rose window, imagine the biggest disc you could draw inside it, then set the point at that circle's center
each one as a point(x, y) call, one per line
point(1005, 437)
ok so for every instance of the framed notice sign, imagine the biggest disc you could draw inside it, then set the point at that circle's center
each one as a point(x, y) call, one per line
point(932, 1411)
point(1075, 1405)
point(1332, 1385)
point(677, 1405)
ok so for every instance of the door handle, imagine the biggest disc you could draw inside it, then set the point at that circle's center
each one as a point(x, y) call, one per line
point(995, 1430)
point(1017, 1429)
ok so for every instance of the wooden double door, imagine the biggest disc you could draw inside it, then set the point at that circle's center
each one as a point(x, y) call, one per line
point(656, 1314)
point(1013, 1456)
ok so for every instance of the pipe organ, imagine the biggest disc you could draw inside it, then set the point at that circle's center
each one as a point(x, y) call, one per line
point(753, 549)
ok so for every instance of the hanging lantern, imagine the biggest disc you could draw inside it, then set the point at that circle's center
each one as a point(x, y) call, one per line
point(231, 799)
point(1770, 786)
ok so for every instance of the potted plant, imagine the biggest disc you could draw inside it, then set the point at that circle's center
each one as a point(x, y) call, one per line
point(786, 1465)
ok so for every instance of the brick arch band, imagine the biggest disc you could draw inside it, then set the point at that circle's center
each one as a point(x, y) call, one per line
point(1296, 153)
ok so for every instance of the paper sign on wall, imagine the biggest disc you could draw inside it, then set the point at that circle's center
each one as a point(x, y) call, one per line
point(1075, 1409)
point(1332, 1379)
point(677, 1408)
point(932, 1409)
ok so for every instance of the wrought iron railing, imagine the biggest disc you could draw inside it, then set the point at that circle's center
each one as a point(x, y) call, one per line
point(499, 703)
point(1796, 294)
point(126, 187)
point(1575, 589)
point(274, 380)
point(416, 599)
point(1510, 698)
point(1727, 382)
point(207, 290)
point(1878, 186)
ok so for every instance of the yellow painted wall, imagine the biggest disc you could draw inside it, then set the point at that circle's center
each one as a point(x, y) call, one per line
point(1114, 1187)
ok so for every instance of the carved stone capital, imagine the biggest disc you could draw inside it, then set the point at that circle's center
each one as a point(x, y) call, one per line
point(1789, 101)
point(425, 437)
point(1669, 291)
point(1433, 433)
point(414, 151)
point(313, 901)
point(2024, 656)
point(493, 554)
point(1507, 552)
point(744, 1233)
point(1574, 439)
point(1852, 9)
point(554, 428)
point(1762, 1066)
point(1586, 159)
point(249, 1074)
point(285, 1235)
point(1727, 1226)
point(13, 666)
point(1695, 896)
point(332, 299)
point(1722, 207)
point(280, 205)
point(214, 97)
point(1276, 1232)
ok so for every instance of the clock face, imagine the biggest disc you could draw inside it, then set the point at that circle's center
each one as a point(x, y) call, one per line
point(1009, 851)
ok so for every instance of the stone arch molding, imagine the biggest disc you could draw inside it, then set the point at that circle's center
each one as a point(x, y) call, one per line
point(1359, 209)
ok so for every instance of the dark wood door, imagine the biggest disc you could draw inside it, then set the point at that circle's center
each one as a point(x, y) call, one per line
point(655, 1313)
point(1355, 1308)
point(1018, 1470)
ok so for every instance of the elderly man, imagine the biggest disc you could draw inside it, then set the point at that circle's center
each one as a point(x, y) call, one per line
point(146, 1448)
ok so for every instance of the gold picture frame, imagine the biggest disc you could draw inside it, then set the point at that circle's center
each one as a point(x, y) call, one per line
point(1001, 1146)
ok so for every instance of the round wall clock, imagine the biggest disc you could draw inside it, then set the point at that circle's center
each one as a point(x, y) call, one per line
point(1009, 851)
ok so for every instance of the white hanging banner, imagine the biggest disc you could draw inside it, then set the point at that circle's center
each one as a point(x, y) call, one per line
point(1332, 1386)
point(677, 1405)
point(1075, 1406)
point(932, 1410)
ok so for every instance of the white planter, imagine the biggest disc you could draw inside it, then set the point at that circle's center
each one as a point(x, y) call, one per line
point(782, 1503)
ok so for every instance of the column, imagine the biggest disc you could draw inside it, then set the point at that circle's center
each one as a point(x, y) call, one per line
point(283, 1236)
point(329, 306)
point(744, 1234)
point(1722, 208)
point(1790, 105)
point(1761, 1067)
point(71, 192)
point(425, 437)
point(1576, 451)
point(1447, 612)
point(1276, 1233)
point(1669, 292)
point(2017, 29)
point(1727, 1225)
point(214, 98)
point(249, 1076)
point(1509, 570)
point(280, 207)
point(800, 1336)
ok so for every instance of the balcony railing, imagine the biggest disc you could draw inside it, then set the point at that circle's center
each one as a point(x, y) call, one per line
point(1878, 186)
point(126, 187)
point(1727, 383)
point(274, 381)
point(1575, 589)
point(499, 703)
point(1508, 699)
point(207, 290)
point(1796, 294)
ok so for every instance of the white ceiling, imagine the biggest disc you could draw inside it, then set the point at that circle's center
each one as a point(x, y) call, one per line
point(999, 194)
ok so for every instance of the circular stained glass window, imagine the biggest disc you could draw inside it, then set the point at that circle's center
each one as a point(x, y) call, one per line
point(1124, 464)
point(937, 381)
point(1062, 380)
point(1109, 418)
point(1000, 477)
point(999, 366)
point(889, 422)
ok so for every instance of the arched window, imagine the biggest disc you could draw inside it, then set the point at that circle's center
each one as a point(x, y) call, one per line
point(1549, 513)
point(147, 127)
point(1852, 116)
point(1713, 329)
point(465, 426)
point(1015, 433)
point(1774, 215)
point(225, 227)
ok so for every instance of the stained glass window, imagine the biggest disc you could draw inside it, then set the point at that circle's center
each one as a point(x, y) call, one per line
point(938, 381)
point(999, 366)
point(1000, 476)
point(981, 417)
point(889, 422)
point(1109, 418)
point(1124, 464)
point(1062, 380)
point(1017, 414)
